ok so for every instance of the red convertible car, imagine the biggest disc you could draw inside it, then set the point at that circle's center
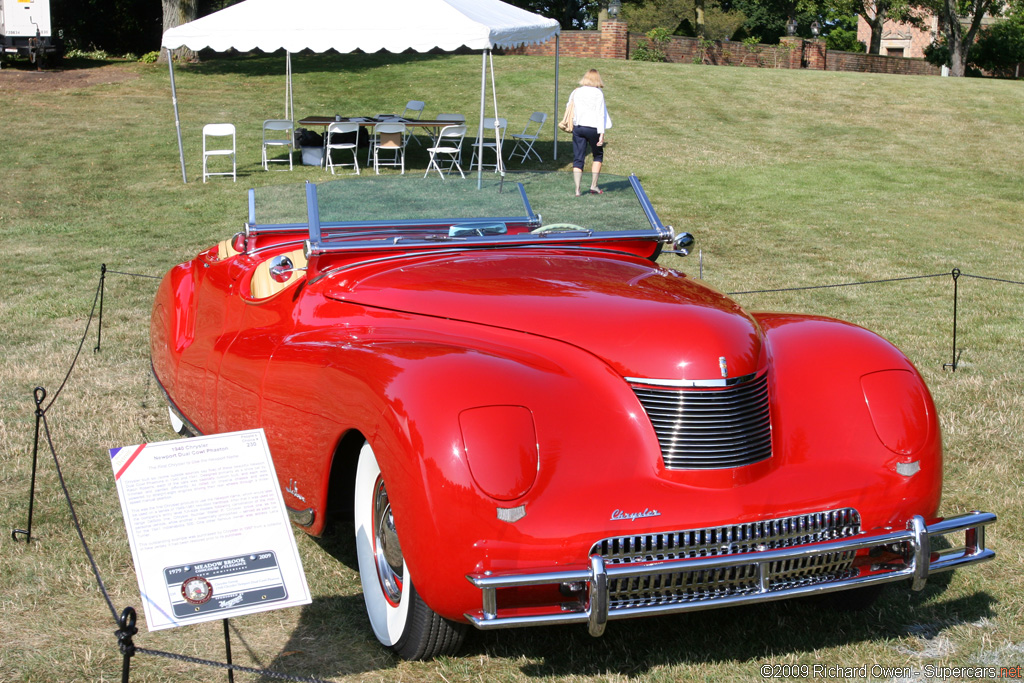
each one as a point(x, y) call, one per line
point(533, 422)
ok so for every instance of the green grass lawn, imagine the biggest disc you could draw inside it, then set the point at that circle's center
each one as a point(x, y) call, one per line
point(786, 178)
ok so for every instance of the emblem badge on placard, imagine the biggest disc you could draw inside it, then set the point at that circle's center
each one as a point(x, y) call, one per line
point(196, 590)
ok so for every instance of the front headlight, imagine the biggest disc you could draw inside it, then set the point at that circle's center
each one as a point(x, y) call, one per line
point(501, 449)
point(898, 404)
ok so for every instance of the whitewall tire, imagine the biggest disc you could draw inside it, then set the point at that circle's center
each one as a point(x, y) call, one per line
point(399, 617)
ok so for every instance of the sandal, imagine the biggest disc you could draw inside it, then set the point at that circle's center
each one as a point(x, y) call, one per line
point(593, 191)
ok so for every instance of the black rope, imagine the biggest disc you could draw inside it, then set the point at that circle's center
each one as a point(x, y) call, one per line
point(991, 279)
point(78, 526)
point(151, 277)
point(80, 345)
point(269, 673)
point(841, 284)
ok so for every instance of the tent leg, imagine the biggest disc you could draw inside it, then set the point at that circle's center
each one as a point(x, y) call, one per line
point(480, 137)
point(498, 133)
point(177, 119)
point(555, 117)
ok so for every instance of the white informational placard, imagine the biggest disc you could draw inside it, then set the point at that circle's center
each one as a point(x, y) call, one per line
point(208, 529)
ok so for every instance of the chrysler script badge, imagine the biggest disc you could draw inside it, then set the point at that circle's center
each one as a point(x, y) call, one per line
point(723, 366)
point(632, 516)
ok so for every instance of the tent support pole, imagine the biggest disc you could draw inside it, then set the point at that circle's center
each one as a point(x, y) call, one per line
point(498, 133)
point(289, 102)
point(480, 130)
point(177, 119)
point(555, 117)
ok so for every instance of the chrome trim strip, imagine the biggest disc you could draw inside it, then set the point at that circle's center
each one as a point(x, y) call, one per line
point(598, 596)
point(916, 537)
point(313, 213)
point(521, 240)
point(692, 383)
point(664, 233)
point(454, 250)
point(290, 243)
point(534, 219)
point(167, 397)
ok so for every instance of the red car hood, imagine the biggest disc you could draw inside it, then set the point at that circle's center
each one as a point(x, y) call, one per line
point(645, 321)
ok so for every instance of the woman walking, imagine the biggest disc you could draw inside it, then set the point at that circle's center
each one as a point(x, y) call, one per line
point(590, 120)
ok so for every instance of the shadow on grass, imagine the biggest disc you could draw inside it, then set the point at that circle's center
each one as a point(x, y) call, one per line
point(334, 638)
point(273, 64)
point(731, 635)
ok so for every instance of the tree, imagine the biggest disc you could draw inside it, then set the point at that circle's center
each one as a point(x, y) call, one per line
point(877, 12)
point(176, 13)
point(117, 27)
point(841, 34)
point(678, 17)
point(998, 51)
point(571, 14)
point(953, 16)
point(1000, 47)
point(767, 19)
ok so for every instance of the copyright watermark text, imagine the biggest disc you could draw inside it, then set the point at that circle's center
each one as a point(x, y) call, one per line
point(926, 672)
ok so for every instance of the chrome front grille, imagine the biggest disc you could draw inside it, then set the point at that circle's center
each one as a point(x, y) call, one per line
point(705, 428)
point(685, 586)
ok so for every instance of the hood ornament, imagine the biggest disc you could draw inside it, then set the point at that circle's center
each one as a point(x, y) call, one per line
point(723, 366)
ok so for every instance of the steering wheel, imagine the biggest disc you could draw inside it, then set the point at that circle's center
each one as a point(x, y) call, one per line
point(559, 227)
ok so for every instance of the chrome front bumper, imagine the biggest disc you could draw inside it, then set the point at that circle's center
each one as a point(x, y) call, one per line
point(913, 543)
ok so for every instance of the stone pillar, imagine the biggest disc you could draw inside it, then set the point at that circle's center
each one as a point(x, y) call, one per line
point(614, 39)
point(796, 51)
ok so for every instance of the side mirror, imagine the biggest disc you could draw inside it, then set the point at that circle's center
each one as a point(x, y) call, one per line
point(281, 268)
point(682, 244)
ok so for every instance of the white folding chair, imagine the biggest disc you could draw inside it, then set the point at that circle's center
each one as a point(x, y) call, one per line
point(413, 110)
point(389, 137)
point(280, 135)
point(219, 130)
point(332, 141)
point(450, 119)
point(449, 141)
point(498, 126)
point(413, 107)
point(525, 140)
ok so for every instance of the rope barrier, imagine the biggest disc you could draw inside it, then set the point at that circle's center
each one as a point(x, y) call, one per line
point(269, 673)
point(841, 284)
point(126, 620)
point(991, 279)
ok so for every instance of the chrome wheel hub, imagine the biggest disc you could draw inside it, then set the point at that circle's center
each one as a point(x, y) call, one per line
point(386, 548)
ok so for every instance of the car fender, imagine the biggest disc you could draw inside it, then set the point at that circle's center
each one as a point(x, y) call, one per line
point(821, 411)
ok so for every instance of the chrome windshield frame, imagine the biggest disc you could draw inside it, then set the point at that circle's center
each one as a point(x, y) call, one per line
point(366, 234)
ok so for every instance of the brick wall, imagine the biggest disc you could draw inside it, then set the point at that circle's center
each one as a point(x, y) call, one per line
point(878, 64)
point(614, 41)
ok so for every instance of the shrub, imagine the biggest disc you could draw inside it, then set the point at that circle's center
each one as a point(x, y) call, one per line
point(653, 50)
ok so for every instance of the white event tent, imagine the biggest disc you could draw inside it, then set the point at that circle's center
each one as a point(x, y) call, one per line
point(348, 25)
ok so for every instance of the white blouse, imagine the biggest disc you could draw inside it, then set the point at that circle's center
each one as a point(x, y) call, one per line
point(590, 109)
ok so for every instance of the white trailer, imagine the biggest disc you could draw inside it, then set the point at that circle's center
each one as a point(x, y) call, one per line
point(25, 29)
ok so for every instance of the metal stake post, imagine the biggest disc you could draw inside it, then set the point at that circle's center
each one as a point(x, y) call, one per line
point(956, 276)
point(227, 651)
point(99, 322)
point(126, 629)
point(40, 396)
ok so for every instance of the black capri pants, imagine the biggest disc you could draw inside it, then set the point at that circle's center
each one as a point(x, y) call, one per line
point(581, 137)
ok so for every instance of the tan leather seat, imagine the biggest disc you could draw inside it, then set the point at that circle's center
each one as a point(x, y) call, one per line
point(263, 285)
